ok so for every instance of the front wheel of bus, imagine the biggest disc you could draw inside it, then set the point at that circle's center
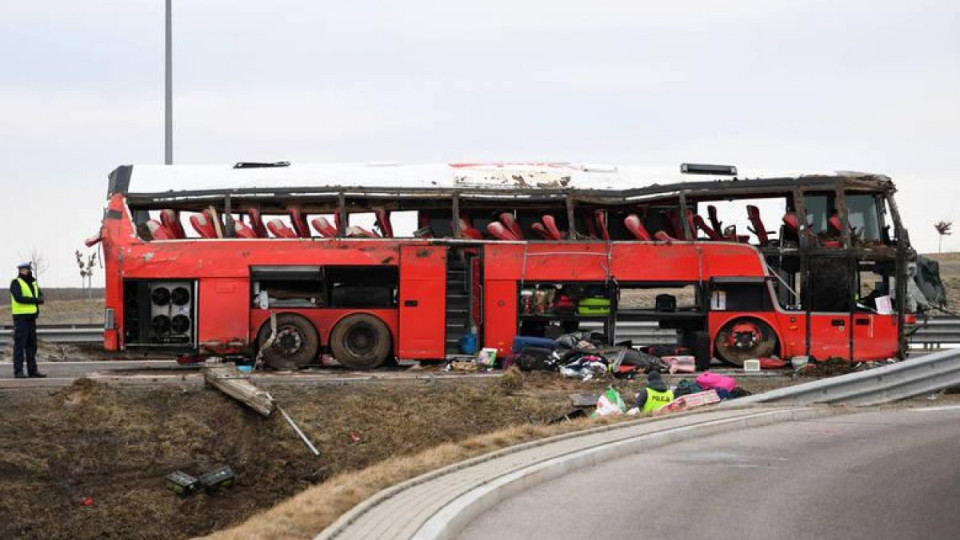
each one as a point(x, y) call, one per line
point(360, 341)
point(295, 345)
point(744, 339)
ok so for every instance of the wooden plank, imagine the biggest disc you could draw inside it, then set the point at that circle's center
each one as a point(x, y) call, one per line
point(229, 380)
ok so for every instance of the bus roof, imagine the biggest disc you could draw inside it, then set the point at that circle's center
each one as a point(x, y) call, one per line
point(440, 176)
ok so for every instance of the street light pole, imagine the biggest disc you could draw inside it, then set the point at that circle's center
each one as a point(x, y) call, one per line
point(168, 94)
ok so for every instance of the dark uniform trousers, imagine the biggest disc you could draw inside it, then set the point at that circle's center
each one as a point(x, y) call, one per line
point(25, 344)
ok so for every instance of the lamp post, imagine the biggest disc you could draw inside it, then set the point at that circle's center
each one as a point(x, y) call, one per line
point(168, 94)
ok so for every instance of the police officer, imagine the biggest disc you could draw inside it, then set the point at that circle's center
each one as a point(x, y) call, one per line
point(25, 301)
point(655, 396)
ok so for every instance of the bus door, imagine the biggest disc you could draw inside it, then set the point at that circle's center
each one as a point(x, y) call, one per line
point(423, 281)
point(828, 299)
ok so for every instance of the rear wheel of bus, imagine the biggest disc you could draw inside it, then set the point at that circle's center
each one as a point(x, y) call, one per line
point(296, 344)
point(361, 341)
point(743, 339)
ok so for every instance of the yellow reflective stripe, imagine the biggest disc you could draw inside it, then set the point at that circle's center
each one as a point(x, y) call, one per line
point(30, 291)
point(657, 400)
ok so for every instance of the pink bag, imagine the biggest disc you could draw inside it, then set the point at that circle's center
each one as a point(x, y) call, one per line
point(709, 380)
point(681, 363)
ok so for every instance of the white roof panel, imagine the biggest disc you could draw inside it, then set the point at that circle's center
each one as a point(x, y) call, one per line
point(163, 178)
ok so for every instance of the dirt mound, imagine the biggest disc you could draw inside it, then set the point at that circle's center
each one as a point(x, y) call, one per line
point(828, 368)
point(115, 446)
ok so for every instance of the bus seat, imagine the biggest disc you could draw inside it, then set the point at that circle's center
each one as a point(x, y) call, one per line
point(280, 230)
point(835, 224)
point(500, 231)
point(601, 217)
point(542, 231)
point(299, 221)
point(635, 226)
point(791, 222)
point(159, 231)
point(203, 225)
point(700, 223)
point(673, 217)
point(759, 229)
point(383, 222)
point(715, 222)
point(322, 225)
point(511, 224)
point(662, 236)
point(588, 222)
point(551, 224)
point(256, 223)
point(424, 230)
point(242, 230)
point(354, 231)
point(171, 220)
point(467, 230)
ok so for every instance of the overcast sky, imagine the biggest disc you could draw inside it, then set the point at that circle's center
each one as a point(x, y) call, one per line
point(798, 85)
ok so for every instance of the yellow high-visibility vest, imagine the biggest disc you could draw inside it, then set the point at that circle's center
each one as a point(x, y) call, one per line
point(29, 291)
point(657, 400)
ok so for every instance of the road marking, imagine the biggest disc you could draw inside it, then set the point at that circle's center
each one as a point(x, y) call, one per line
point(935, 409)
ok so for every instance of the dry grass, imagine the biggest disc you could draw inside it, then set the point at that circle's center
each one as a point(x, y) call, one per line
point(308, 513)
point(71, 311)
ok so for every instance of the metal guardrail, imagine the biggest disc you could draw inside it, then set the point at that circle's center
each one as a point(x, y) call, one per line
point(938, 331)
point(60, 333)
point(913, 377)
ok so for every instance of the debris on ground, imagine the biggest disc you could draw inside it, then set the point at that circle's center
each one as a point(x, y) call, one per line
point(828, 368)
point(232, 382)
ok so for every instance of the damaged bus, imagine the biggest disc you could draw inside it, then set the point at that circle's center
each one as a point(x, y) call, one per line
point(372, 263)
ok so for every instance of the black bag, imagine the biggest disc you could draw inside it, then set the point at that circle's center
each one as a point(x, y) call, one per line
point(533, 358)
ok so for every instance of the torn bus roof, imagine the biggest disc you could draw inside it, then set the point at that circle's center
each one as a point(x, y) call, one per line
point(440, 176)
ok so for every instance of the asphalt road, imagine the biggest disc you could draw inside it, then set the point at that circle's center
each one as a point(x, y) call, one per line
point(876, 475)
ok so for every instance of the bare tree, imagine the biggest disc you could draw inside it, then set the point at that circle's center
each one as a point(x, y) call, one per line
point(40, 263)
point(943, 229)
point(86, 265)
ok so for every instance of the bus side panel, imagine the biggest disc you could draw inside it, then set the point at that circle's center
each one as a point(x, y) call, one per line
point(500, 315)
point(423, 295)
point(874, 336)
point(223, 315)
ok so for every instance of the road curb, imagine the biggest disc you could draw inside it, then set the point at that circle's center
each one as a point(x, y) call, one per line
point(439, 504)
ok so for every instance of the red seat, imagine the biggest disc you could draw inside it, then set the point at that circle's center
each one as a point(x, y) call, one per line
point(551, 225)
point(322, 225)
point(280, 230)
point(256, 223)
point(467, 230)
point(601, 217)
point(354, 231)
point(791, 222)
point(635, 226)
point(159, 231)
point(699, 223)
point(673, 216)
point(500, 231)
point(242, 230)
point(715, 222)
point(759, 229)
point(542, 231)
point(171, 220)
point(662, 236)
point(511, 224)
point(383, 222)
point(299, 221)
point(203, 225)
point(836, 224)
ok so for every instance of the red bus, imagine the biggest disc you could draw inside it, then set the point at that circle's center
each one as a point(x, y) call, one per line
point(372, 263)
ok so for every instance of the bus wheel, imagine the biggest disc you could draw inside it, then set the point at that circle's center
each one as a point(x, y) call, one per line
point(360, 341)
point(295, 346)
point(744, 339)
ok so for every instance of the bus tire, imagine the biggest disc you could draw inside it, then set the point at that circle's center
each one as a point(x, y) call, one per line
point(296, 345)
point(744, 338)
point(361, 341)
